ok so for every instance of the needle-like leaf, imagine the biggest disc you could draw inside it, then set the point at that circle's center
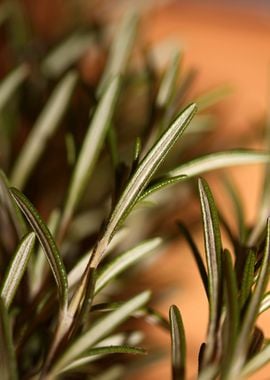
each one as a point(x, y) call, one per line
point(44, 127)
point(10, 84)
point(142, 176)
point(124, 261)
point(248, 278)
point(218, 160)
point(7, 352)
point(251, 312)
point(258, 361)
point(97, 351)
point(16, 269)
point(178, 344)
point(265, 303)
point(102, 328)
point(120, 51)
point(47, 242)
point(90, 150)
point(213, 258)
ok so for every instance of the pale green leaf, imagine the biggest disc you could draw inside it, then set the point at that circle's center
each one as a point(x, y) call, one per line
point(160, 184)
point(265, 303)
point(44, 127)
point(257, 362)
point(11, 82)
point(219, 160)
point(90, 150)
point(124, 261)
point(178, 344)
point(16, 269)
point(100, 329)
point(120, 51)
point(47, 242)
point(66, 54)
point(213, 248)
point(168, 83)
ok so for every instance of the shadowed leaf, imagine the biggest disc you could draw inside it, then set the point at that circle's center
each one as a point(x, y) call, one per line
point(178, 344)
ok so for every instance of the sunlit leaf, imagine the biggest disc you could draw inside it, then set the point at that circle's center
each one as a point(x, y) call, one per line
point(219, 160)
point(44, 127)
point(142, 176)
point(178, 344)
point(7, 351)
point(47, 242)
point(99, 330)
point(16, 269)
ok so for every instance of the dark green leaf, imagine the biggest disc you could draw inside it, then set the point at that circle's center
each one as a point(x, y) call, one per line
point(178, 344)
point(47, 242)
point(248, 278)
point(10, 84)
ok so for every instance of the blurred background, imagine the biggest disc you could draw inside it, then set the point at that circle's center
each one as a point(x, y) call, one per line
point(225, 43)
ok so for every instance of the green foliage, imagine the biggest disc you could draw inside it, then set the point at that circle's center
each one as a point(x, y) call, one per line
point(70, 227)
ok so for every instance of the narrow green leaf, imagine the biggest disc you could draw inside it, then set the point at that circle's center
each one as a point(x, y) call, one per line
point(142, 176)
point(248, 278)
point(238, 207)
point(11, 82)
point(265, 303)
point(168, 83)
point(257, 362)
point(219, 160)
point(114, 372)
point(178, 344)
point(44, 127)
point(212, 97)
point(196, 254)
point(232, 309)
point(213, 249)
point(120, 51)
point(66, 54)
point(90, 150)
point(84, 360)
point(124, 261)
point(252, 311)
point(98, 331)
point(160, 184)
point(7, 201)
point(16, 269)
point(7, 351)
point(47, 242)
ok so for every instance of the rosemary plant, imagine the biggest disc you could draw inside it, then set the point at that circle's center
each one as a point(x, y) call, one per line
point(70, 327)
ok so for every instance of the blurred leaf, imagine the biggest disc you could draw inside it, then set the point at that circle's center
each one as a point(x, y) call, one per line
point(16, 269)
point(121, 262)
point(115, 372)
point(258, 361)
point(178, 344)
point(212, 97)
point(213, 249)
point(11, 82)
point(248, 278)
point(196, 254)
point(120, 51)
point(44, 127)
point(7, 352)
point(265, 303)
point(84, 360)
point(90, 150)
point(168, 83)
point(66, 54)
point(99, 330)
point(47, 242)
point(219, 160)
point(141, 177)
point(251, 312)
point(7, 201)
